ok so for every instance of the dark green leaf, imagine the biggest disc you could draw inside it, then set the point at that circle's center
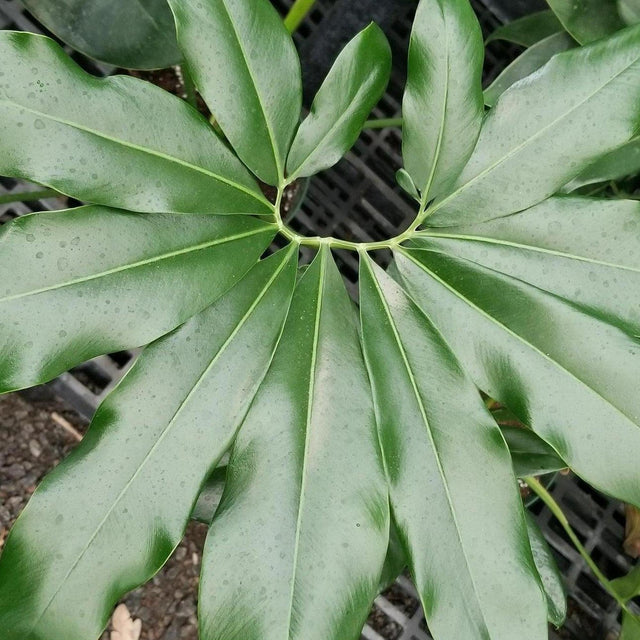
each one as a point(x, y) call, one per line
point(630, 627)
point(115, 141)
point(531, 455)
point(550, 347)
point(136, 34)
point(298, 543)
point(548, 128)
point(629, 11)
point(395, 562)
point(108, 517)
point(245, 65)
point(628, 586)
point(619, 163)
point(554, 589)
point(465, 538)
point(94, 280)
point(588, 20)
point(442, 106)
point(353, 86)
point(531, 60)
point(528, 30)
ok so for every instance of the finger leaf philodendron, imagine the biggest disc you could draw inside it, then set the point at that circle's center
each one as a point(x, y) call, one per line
point(357, 440)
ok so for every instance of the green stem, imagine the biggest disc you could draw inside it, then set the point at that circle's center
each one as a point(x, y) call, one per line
point(382, 123)
point(189, 86)
point(555, 509)
point(297, 14)
point(29, 196)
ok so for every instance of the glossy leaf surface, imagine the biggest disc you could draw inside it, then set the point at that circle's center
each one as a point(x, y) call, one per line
point(95, 280)
point(246, 67)
point(468, 551)
point(115, 141)
point(304, 517)
point(531, 455)
point(442, 106)
point(588, 20)
point(554, 589)
point(108, 517)
point(619, 163)
point(530, 147)
point(528, 30)
point(136, 34)
point(352, 88)
point(551, 352)
point(528, 62)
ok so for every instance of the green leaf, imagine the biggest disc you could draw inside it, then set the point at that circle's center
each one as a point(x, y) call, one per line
point(210, 496)
point(528, 30)
point(588, 20)
point(465, 539)
point(352, 88)
point(94, 280)
point(108, 517)
point(116, 141)
point(406, 183)
point(617, 164)
point(246, 67)
point(528, 62)
point(395, 562)
point(630, 627)
point(297, 545)
point(442, 106)
point(629, 11)
point(136, 34)
point(545, 319)
point(554, 588)
point(628, 587)
point(548, 128)
point(531, 455)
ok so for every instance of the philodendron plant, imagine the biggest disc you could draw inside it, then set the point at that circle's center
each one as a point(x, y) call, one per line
point(354, 435)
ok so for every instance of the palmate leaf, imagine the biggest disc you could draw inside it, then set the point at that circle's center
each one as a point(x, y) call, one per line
point(547, 323)
point(136, 34)
point(530, 147)
point(468, 550)
point(442, 106)
point(94, 280)
point(353, 86)
point(297, 545)
point(117, 141)
point(108, 517)
point(246, 67)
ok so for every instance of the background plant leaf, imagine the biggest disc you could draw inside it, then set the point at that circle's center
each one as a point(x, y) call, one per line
point(467, 550)
point(351, 89)
point(628, 587)
point(305, 490)
point(528, 30)
point(246, 67)
point(629, 11)
point(630, 627)
point(588, 20)
point(442, 106)
point(137, 34)
point(115, 141)
point(530, 147)
point(531, 455)
point(95, 280)
point(108, 517)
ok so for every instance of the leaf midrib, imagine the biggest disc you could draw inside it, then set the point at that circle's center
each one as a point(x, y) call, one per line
point(164, 432)
point(529, 140)
point(517, 336)
point(133, 265)
point(136, 147)
point(425, 419)
point(303, 474)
